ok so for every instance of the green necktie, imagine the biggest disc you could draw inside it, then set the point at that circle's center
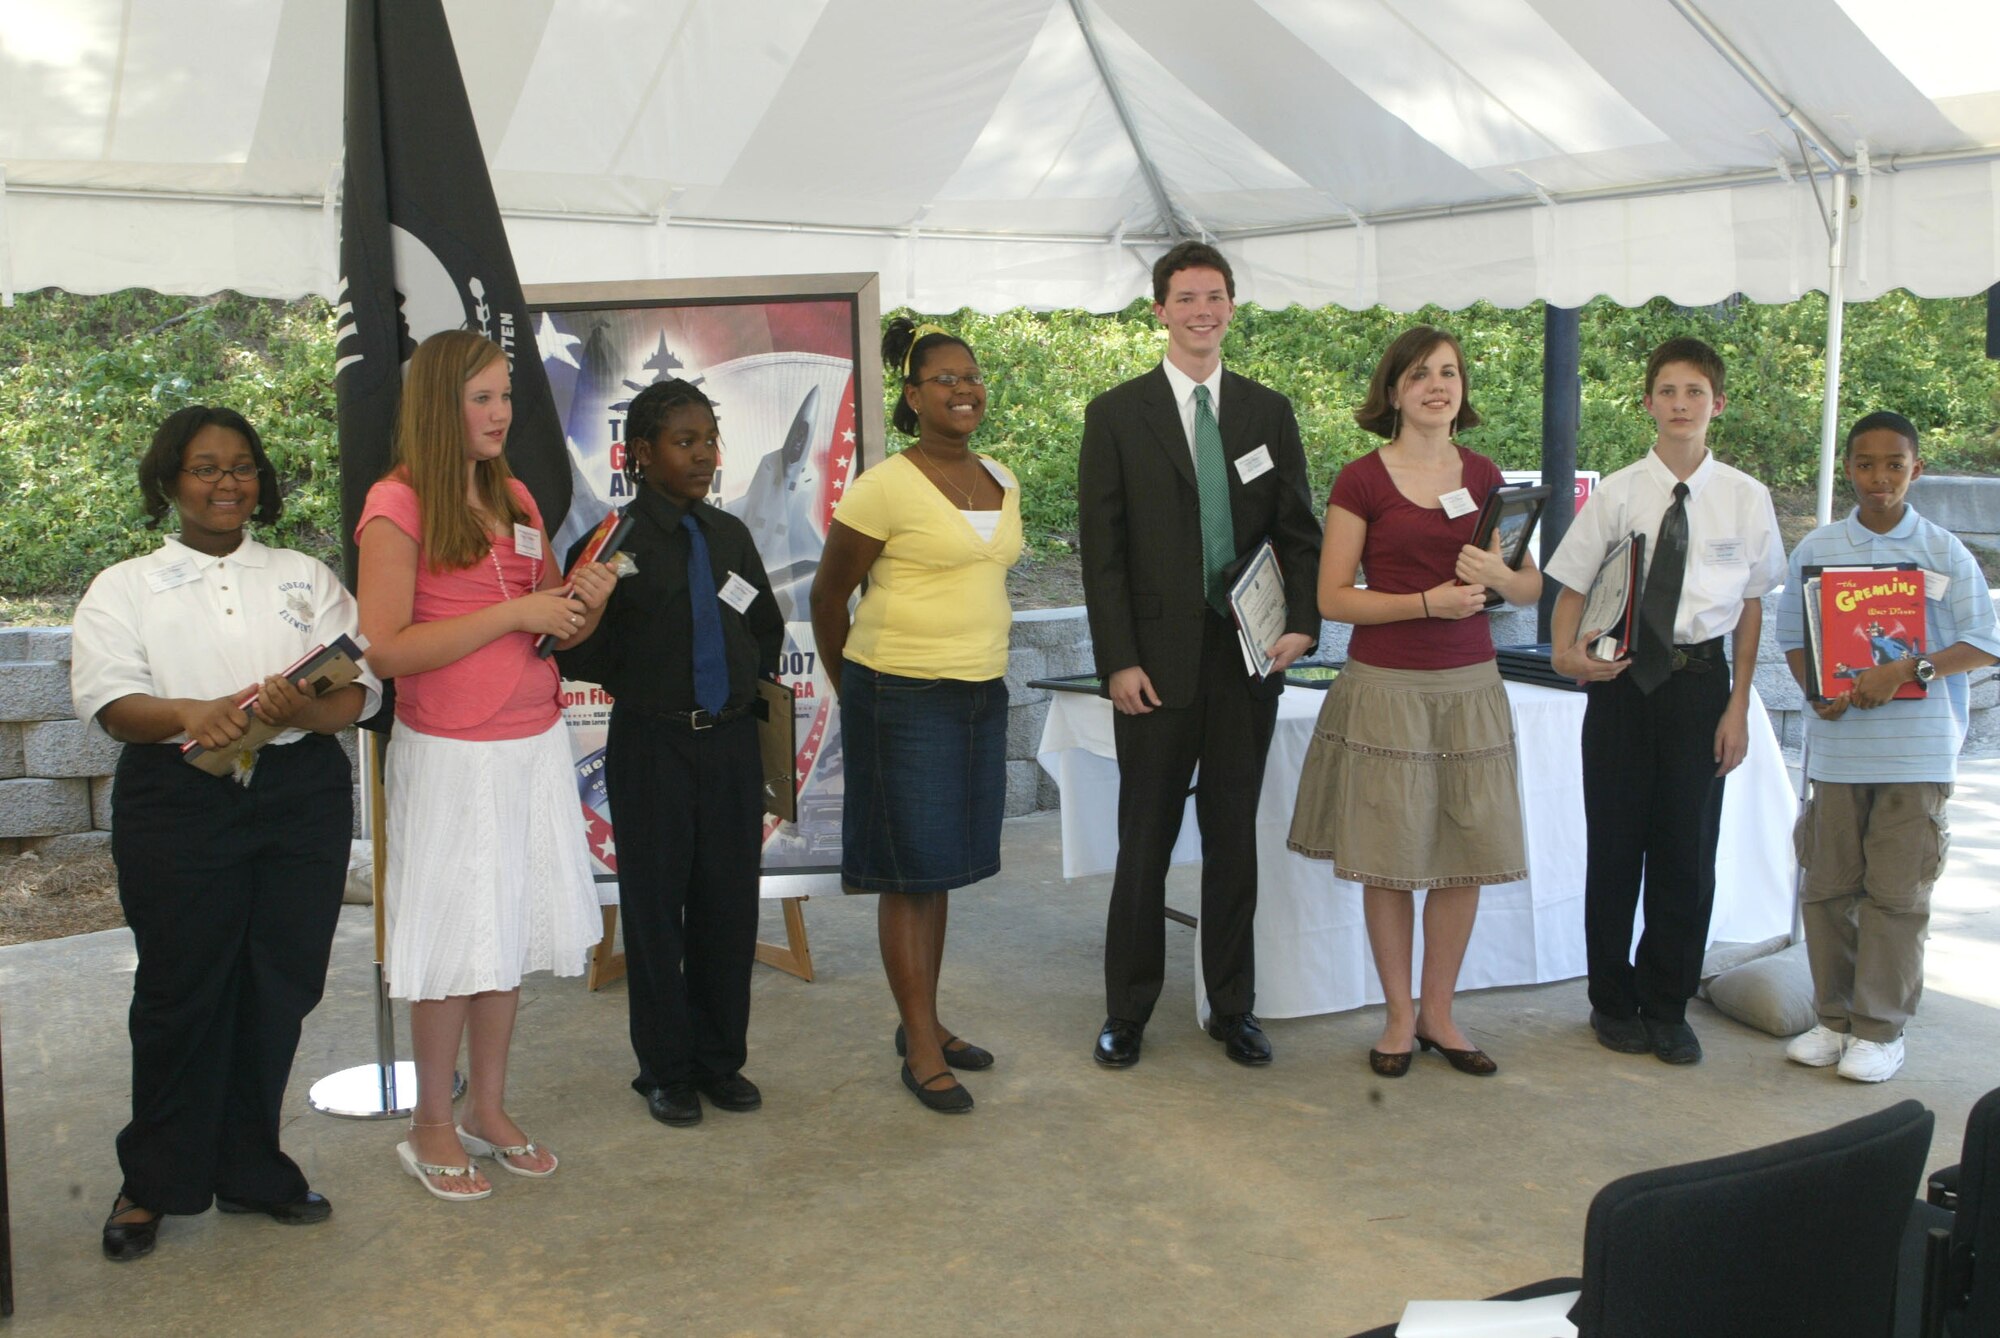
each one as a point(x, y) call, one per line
point(1218, 530)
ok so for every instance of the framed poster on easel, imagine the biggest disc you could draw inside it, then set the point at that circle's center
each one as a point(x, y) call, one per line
point(793, 365)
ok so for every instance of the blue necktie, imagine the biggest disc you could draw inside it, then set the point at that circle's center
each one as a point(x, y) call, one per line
point(711, 671)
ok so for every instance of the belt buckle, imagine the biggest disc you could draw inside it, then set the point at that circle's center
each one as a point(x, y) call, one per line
point(699, 720)
point(1678, 658)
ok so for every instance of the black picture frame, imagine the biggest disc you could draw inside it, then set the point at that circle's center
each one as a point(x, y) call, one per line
point(1512, 510)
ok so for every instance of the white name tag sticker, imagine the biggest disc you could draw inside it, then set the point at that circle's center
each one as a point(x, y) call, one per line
point(737, 593)
point(1936, 584)
point(1456, 503)
point(1254, 464)
point(178, 572)
point(1723, 552)
point(528, 541)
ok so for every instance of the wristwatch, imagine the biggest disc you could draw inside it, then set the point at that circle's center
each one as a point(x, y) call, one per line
point(1926, 671)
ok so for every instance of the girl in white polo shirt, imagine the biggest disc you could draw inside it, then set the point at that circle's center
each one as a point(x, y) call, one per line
point(231, 885)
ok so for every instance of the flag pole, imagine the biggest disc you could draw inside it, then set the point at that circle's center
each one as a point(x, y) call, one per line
point(385, 1089)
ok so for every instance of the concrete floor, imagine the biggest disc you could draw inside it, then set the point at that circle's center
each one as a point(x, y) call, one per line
point(1184, 1194)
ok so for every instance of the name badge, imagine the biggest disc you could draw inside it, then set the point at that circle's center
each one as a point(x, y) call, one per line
point(178, 572)
point(1254, 465)
point(528, 541)
point(1936, 584)
point(737, 593)
point(1723, 552)
point(1456, 503)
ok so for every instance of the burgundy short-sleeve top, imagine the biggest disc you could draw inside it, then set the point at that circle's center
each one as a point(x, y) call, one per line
point(501, 690)
point(1411, 548)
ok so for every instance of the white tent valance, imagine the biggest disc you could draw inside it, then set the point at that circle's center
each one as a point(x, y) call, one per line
point(1039, 152)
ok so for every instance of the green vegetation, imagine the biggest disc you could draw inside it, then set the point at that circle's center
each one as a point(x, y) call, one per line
point(84, 380)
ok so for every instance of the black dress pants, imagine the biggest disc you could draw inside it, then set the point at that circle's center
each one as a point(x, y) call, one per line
point(688, 807)
point(232, 894)
point(1227, 731)
point(1653, 806)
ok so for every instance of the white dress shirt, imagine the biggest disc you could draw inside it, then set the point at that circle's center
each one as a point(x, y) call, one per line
point(1734, 549)
point(177, 623)
point(1184, 385)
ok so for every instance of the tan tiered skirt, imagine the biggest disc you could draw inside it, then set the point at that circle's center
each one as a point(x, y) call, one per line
point(1410, 779)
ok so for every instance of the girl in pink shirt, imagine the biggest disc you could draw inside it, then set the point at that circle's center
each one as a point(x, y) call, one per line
point(488, 875)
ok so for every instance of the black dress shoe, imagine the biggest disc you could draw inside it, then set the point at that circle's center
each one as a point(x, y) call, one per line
point(958, 1052)
point(1626, 1035)
point(1242, 1039)
point(126, 1241)
point(1673, 1042)
point(675, 1104)
point(952, 1100)
point(1118, 1043)
point(732, 1091)
point(301, 1211)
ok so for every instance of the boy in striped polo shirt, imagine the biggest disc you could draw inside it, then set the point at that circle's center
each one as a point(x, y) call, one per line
point(1873, 837)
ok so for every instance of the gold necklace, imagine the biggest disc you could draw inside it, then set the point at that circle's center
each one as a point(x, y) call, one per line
point(939, 475)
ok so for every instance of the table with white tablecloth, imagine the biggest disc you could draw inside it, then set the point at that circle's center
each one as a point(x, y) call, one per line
point(1312, 947)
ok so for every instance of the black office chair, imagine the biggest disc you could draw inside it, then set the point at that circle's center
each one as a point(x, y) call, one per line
point(1796, 1240)
point(1954, 1240)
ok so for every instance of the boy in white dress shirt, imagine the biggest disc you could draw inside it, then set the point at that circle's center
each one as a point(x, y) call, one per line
point(1669, 721)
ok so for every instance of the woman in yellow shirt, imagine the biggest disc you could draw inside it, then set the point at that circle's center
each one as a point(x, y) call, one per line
point(920, 675)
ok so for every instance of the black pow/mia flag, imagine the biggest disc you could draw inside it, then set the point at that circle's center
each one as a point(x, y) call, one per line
point(422, 249)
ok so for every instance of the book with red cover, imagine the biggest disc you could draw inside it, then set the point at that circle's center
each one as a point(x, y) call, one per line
point(1868, 616)
point(602, 546)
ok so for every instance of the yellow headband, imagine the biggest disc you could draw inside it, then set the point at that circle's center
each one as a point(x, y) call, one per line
point(920, 332)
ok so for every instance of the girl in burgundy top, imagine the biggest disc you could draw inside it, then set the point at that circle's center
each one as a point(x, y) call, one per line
point(1409, 781)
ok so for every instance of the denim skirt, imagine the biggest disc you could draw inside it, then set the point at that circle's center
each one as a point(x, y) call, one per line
point(926, 780)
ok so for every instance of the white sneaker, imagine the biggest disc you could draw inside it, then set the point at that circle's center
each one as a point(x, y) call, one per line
point(1872, 1061)
point(1818, 1048)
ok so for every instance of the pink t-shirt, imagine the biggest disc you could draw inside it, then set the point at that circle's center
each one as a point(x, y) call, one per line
point(500, 691)
point(1411, 548)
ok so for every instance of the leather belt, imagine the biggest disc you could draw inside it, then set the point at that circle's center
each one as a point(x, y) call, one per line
point(1699, 658)
point(701, 720)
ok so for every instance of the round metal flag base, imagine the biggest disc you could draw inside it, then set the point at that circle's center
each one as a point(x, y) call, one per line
point(372, 1091)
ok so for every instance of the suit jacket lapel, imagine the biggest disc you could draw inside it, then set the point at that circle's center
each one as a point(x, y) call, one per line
point(1238, 434)
point(1164, 416)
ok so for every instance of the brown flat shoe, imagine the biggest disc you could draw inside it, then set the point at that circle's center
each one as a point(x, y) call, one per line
point(1389, 1066)
point(1476, 1062)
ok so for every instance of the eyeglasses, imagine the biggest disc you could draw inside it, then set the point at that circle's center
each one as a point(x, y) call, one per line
point(242, 473)
point(950, 379)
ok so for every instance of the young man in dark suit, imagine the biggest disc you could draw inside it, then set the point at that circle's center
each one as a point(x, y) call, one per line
point(1189, 441)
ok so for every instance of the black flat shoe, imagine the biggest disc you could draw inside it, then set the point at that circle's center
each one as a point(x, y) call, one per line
point(1389, 1065)
point(1673, 1042)
point(1242, 1039)
point(1474, 1061)
point(1118, 1043)
point(675, 1104)
point(953, 1100)
point(732, 1091)
point(1626, 1035)
point(302, 1211)
point(967, 1056)
point(126, 1241)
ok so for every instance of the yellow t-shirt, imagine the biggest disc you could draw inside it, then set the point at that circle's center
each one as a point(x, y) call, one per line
point(936, 605)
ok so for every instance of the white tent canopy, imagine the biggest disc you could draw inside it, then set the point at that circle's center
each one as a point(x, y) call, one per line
point(1039, 152)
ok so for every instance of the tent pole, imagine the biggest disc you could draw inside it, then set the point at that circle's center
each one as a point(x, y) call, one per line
point(1157, 188)
point(1836, 311)
point(1562, 406)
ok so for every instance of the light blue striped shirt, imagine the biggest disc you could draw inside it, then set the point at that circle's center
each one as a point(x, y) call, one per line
point(1915, 740)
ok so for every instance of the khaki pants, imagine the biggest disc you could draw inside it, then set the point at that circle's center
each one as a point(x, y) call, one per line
point(1871, 854)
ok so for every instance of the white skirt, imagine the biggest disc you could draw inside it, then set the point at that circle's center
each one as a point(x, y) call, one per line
point(488, 874)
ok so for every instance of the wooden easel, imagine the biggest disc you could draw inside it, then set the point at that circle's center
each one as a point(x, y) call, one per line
point(794, 957)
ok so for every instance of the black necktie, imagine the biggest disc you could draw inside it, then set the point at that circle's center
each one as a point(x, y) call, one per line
point(1653, 660)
